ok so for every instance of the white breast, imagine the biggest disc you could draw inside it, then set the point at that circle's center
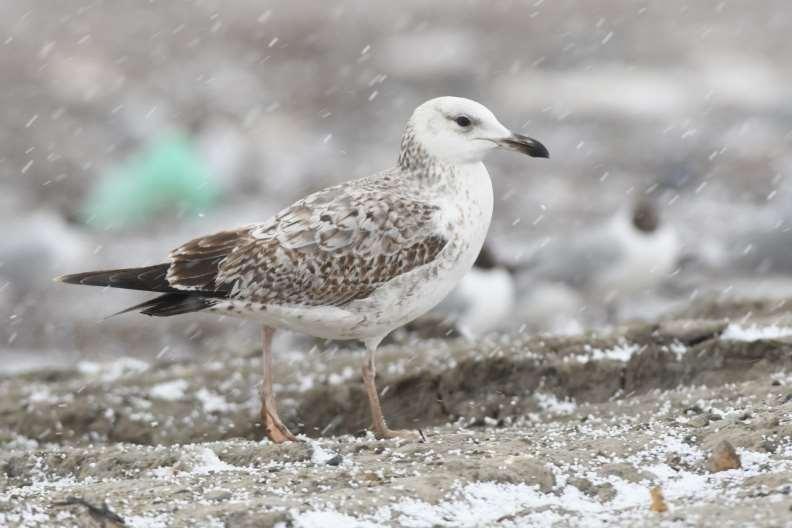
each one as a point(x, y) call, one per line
point(466, 203)
point(467, 213)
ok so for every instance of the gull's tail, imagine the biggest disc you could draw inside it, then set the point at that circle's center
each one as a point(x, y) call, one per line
point(149, 278)
point(152, 279)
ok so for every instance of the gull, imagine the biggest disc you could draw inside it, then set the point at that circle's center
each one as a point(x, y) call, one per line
point(631, 253)
point(350, 262)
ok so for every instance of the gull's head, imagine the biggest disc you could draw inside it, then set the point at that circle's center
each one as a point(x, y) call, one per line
point(458, 131)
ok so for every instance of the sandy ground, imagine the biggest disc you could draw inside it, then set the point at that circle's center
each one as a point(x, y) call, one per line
point(521, 431)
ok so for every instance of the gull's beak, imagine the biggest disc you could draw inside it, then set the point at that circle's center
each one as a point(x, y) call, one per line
point(525, 145)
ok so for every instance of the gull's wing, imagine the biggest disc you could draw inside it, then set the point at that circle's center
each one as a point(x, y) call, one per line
point(333, 247)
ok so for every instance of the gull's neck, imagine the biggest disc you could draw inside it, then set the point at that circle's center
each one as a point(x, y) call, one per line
point(426, 171)
point(416, 161)
point(412, 154)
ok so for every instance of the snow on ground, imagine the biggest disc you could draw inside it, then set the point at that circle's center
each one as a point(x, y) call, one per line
point(521, 432)
point(169, 390)
point(754, 332)
point(622, 352)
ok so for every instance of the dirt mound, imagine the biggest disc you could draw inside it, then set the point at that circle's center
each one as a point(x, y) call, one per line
point(178, 403)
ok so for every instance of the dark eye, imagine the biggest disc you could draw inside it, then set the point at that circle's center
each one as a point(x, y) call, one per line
point(463, 121)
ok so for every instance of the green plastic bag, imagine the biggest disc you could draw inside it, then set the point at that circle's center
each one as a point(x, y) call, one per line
point(167, 177)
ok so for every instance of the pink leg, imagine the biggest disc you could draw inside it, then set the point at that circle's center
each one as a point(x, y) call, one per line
point(273, 426)
point(381, 429)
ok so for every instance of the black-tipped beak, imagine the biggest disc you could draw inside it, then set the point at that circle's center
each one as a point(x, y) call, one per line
point(525, 145)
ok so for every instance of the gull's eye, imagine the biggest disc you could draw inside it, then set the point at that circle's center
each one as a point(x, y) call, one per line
point(463, 121)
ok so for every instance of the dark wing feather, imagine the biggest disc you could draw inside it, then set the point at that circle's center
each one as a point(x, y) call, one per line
point(171, 304)
point(149, 278)
point(195, 265)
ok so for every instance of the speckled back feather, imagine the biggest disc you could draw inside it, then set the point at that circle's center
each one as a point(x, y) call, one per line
point(330, 248)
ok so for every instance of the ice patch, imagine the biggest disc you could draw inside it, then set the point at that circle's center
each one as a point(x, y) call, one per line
point(113, 370)
point(330, 519)
point(319, 454)
point(550, 403)
point(347, 374)
point(678, 349)
point(206, 461)
point(735, 332)
point(213, 402)
point(169, 390)
point(622, 352)
point(41, 394)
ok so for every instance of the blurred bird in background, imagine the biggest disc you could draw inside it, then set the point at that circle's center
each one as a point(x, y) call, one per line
point(628, 255)
point(482, 302)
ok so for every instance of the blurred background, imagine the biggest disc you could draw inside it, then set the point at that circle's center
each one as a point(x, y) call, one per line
point(129, 127)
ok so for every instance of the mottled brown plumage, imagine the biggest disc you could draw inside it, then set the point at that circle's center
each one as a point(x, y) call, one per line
point(330, 248)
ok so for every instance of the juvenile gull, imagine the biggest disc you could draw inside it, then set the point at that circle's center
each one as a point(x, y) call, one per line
point(353, 261)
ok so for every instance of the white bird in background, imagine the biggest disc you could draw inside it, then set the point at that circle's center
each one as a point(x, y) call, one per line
point(632, 253)
point(483, 301)
point(353, 261)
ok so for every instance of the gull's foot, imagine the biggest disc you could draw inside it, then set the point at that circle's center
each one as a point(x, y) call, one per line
point(274, 428)
point(404, 434)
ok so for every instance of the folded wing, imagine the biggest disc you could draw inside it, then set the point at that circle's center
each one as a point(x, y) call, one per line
point(331, 248)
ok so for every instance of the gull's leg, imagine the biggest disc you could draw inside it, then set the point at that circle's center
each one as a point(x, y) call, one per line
point(381, 429)
point(273, 426)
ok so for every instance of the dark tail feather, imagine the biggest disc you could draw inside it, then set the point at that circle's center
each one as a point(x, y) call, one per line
point(149, 278)
point(171, 304)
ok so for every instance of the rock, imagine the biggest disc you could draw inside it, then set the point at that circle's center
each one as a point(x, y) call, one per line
point(701, 420)
point(604, 492)
point(335, 461)
point(626, 471)
point(218, 495)
point(724, 457)
point(690, 331)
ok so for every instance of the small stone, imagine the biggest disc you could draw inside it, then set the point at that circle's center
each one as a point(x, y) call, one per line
point(335, 461)
point(701, 420)
point(218, 495)
point(770, 422)
point(724, 457)
point(583, 484)
point(658, 501)
point(625, 471)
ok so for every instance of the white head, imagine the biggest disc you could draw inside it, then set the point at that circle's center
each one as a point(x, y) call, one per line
point(458, 131)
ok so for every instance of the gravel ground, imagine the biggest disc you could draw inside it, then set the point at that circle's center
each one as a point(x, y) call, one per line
point(521, 431)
